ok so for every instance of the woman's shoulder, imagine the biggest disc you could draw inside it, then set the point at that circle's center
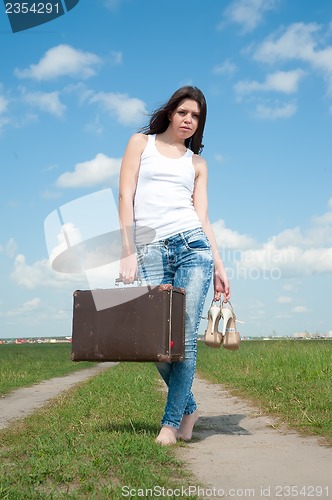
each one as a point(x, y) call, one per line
point(136, 145)
point(139, 139)
point(200, 165)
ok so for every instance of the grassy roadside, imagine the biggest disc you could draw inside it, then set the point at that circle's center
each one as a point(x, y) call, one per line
point(28, 364)
point(91, 442)
point(99, 437)
point(292, 380)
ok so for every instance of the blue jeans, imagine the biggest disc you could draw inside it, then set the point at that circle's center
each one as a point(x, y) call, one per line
point(184, 260)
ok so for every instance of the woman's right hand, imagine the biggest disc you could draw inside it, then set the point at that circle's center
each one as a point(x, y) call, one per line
point(128, 268)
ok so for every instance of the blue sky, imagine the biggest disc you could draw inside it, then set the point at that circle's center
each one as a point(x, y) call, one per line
point(73, 91)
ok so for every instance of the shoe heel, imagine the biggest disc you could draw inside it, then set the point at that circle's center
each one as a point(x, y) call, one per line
point(230, 337)
point(212, 337)
point(227, 318)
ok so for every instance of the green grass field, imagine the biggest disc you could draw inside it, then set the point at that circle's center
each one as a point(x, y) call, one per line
point(27, 364)
point(99, 437)
point(91, 442)
point(286, 378)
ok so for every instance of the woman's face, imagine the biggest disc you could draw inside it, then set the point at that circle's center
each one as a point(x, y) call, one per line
point(185, 118)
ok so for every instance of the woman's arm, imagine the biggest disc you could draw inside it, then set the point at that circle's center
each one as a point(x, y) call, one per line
point(200, 201)
point(127, 187)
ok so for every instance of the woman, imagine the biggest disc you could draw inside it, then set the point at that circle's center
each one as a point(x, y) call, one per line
point(167, 236)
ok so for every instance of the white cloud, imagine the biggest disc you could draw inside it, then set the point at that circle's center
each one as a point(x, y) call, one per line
point(226, 68)
point(41, 274)
point(100, 170)
point(128, 110)
point(323, 220)
point(35, 313)
point(24, 309)
point(300, 309)
point(249, 13)
point(229, 239)
point(62, 60)
point(286, 82)
point(290, 237)
point(4, 120)
point(294, 42)
point(287, 261)
point(49, 102)
point(278, 111)
point(293, 252)
point(284, 299)
point(323, 224)
point(300, 42)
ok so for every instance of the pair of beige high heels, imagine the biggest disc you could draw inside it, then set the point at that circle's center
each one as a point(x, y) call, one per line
point(229, 337)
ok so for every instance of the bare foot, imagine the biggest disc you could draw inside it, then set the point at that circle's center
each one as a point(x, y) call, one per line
point(167, 435)
point(187, 424)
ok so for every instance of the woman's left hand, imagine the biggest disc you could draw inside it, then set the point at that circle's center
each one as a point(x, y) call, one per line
point(221, 284)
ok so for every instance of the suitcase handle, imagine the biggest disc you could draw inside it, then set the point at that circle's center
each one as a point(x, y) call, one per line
point(120, 280)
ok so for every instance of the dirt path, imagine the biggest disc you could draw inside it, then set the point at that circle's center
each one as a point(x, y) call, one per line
point(235, 453)
point(239, 454)
point(24, 401)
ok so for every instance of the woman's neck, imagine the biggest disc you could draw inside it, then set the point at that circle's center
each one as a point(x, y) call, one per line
point(170, 139)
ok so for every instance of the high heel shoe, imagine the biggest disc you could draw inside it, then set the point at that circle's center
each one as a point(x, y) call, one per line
point(230, 337)
point(212, 337)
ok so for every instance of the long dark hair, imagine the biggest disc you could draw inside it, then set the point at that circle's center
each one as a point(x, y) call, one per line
point(159, 120)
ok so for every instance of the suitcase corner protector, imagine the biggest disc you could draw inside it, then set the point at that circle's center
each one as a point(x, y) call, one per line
point(165, 287)
point(164, 358)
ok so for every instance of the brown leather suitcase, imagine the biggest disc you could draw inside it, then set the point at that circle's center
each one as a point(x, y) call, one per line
point(146, 324)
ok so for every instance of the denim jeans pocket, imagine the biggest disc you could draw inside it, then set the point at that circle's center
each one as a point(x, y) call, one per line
point(197, 240)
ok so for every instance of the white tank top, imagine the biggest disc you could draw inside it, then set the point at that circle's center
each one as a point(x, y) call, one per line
point(163, 199)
